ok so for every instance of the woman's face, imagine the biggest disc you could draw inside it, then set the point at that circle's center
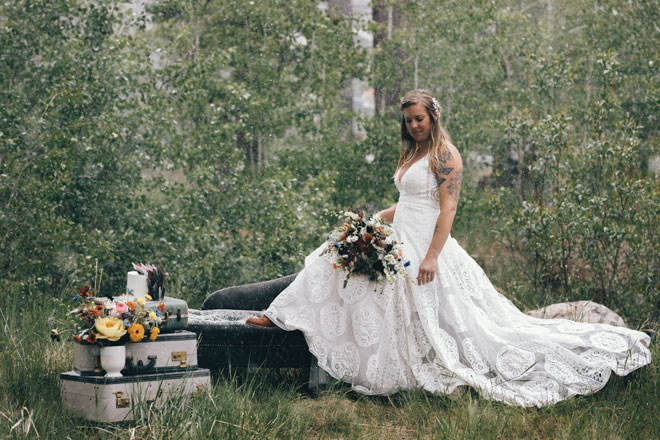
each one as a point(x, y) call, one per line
point(418, 122)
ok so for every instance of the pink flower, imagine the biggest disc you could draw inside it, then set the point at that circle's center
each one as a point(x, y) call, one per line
point(121, 308)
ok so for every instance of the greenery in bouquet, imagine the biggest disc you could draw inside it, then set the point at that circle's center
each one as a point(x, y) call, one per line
point(106, 321)
point(362, 246)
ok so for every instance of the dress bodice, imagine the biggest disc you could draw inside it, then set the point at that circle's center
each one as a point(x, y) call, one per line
point(418, 186)
point(417, 209)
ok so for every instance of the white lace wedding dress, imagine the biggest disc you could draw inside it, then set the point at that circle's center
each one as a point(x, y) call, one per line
point(457, 330)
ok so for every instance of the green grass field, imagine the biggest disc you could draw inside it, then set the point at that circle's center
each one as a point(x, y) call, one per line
point(277, 404)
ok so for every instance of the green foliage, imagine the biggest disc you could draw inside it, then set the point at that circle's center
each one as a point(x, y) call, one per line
point(213, 138)
point(94, 119)
point(69, 128)
point(252, 109)
point(585, 223)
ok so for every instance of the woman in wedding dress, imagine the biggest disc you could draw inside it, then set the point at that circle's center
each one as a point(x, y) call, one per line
point(445, 326)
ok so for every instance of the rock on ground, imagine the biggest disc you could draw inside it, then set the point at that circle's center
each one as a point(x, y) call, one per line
point(580, 311)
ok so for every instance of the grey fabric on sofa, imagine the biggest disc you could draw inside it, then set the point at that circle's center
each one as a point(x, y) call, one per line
point(226, 340)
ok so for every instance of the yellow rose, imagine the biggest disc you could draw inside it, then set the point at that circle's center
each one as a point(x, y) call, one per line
point(109, 328)
point(141, 301)
point(147, 297)
point(152, 315)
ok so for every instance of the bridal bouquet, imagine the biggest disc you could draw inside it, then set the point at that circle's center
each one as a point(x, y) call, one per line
point(364, 246)
point(105, 321)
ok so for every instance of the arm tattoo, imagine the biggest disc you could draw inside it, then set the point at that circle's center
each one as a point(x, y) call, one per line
point(453, 182)
point(454, 185)
point(446, 155)
point(443, 171)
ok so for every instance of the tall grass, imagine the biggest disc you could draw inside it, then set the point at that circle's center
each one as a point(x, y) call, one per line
point(277, 404)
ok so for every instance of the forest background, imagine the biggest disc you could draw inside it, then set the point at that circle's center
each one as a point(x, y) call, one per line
point(217, 139)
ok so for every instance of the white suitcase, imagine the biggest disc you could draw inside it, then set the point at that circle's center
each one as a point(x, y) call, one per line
point(170, 352)
point(122, 399)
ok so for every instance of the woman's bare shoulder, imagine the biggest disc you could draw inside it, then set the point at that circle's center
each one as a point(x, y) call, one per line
point(454, 156)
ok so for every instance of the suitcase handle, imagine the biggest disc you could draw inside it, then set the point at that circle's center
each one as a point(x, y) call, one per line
point(169, 313)
point(140, 367)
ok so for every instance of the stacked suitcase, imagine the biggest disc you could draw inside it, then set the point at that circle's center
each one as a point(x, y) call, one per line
point(154, 371)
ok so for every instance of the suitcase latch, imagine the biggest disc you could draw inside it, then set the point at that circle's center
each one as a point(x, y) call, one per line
point(97, 365)
point(181, 357)
point(121, 401)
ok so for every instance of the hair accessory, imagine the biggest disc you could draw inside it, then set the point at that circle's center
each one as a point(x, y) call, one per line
point(436, 106)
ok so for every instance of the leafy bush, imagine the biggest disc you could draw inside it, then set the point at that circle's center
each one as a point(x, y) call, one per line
point(582, 220)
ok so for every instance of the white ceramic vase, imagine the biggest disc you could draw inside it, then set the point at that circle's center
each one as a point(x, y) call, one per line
point(113, 359)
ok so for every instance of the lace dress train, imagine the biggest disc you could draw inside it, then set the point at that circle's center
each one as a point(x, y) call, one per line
point(457, 330)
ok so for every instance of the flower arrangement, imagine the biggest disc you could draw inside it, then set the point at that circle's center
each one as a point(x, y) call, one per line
point(110, 322)
point(365, 247)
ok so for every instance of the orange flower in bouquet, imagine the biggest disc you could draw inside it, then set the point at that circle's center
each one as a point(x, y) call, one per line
point(136, 332)
point(106, 321)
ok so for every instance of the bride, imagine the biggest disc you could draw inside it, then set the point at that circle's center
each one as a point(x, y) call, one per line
point(451, 327)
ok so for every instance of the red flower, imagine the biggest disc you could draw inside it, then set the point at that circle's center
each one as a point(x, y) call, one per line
point(91, 337)
point(98, 310)
point(77, 338)
point(84, 291)
point(368, 238)
point(161, 307)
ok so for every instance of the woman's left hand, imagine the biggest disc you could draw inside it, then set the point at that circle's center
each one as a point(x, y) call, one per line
point(427, 271)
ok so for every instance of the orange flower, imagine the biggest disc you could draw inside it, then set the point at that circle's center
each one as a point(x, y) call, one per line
point(84, 291)
point(154, 333)
point(131, 305)
point(334, 266)
point(91, 338)
point(77, 338)
point(161, 307)
point(368, 238)
point(136, 332)
point(98, 310)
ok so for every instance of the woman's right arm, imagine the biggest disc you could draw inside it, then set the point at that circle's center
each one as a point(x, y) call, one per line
point(388, 214)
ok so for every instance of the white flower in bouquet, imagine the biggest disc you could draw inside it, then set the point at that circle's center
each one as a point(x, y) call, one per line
point(365, 247)
point(352, 215)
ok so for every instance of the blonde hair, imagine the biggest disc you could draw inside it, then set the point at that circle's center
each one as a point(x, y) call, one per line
point(439, 137)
